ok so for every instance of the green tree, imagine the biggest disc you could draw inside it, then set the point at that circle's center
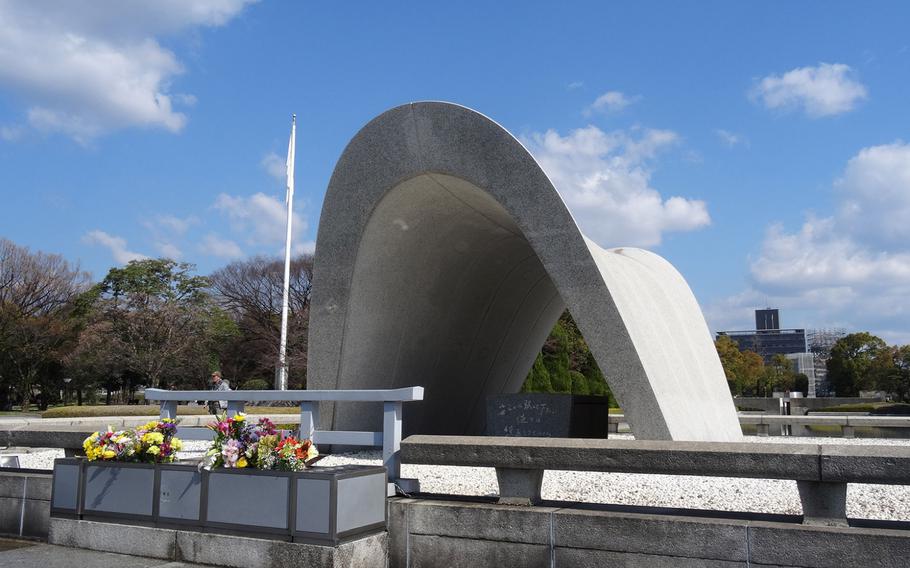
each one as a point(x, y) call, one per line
point(743, 369)
point(854, 363)
point(569, 364)
point(38, 295)
point(894, 372)
point(161, 321)
point(779, 375)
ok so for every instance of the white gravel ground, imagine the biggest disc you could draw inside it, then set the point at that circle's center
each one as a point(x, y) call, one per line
point(716, 493)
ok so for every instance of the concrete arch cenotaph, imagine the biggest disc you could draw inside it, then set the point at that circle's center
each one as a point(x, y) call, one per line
point(444, 257)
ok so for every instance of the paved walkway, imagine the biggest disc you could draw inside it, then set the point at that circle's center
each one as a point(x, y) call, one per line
point(25, 554)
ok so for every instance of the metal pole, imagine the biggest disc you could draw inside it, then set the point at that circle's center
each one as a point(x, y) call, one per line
point(281, 376)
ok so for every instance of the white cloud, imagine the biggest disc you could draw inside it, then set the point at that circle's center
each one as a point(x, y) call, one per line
point(575, 85)
point(117, 246)
point(169, 250)
point(730, 139)
point(10, 133)
point(851, 269)
point(220, 247)
point(261, 217)
point(606, 182)
point(611, 101)
point(875, 192)
point(90, 66)
point(308, 247)
point(275, 166)
point(175, 225)
point(825, 90)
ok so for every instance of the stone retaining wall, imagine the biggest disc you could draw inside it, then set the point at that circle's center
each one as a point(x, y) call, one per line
point(458, 534)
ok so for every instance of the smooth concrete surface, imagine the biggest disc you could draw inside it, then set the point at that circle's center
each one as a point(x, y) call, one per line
point(444, 257)
point(216, 549)
point(35, 555)
point(427, 532)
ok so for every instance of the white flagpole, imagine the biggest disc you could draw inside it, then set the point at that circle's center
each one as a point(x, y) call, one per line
point(281, 375)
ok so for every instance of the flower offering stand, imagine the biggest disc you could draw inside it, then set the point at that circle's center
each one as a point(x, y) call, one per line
point(322, 505)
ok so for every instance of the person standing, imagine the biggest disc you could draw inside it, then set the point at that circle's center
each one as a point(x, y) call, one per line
point(216, 407)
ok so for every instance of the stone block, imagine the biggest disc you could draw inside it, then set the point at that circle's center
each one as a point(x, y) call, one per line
point(10, 515)
point(519, 486)
point(243, 552)
point(36, 520)
point(823, 547)
point(713, 539)
point(123, 539)
point(866, 464)
point(485, 521)
point(823, 503)
point(399, 515)
point(439, 551)
point(589, 558)
point(11, 485)
point(39, 487)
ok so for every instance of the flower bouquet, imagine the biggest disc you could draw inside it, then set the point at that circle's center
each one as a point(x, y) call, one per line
point(153, 442)
point(240, 444)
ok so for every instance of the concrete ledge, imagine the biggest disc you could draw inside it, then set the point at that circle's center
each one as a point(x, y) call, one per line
point(822, 547)
point(727, 459)
point(866, 464)
point(688, 537)
point(441, 551)
point(108, 537)
point(587, 558)
point(217, 549)
point(241, 552)
point(483, 521)
point(454, 533)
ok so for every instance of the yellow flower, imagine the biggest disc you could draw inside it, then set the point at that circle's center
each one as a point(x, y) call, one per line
point(109, 454)
point(153, 438)
point(154, 450)
point(150, 425)
point(177, 444)
point(312, 452)
point(239, 417)
point(242, 462)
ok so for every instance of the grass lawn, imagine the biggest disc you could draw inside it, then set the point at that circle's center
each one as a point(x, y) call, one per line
point(149, 410)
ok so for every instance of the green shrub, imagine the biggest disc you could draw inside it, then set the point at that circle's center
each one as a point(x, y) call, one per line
point(256, 384)
point(579, 383)
point(538, 379)
point(900, 409)
point(856, 407)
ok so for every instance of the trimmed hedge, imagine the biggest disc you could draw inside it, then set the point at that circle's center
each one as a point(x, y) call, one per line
point(133, 410)
point(874, 408)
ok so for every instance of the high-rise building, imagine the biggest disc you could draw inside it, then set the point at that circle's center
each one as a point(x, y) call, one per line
point(768, 339)
point(767, 319)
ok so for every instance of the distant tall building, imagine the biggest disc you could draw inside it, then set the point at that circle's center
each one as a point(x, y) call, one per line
point(768, 339)
point(767, 319)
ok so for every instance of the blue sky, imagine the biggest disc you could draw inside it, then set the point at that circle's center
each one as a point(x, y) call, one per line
point(762, 149)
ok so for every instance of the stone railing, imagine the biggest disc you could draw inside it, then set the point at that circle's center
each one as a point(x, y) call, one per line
point(847, 422)
point(389, 438)
point(821, 472)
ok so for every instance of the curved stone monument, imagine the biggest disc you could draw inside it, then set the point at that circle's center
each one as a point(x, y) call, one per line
point(445, 256)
